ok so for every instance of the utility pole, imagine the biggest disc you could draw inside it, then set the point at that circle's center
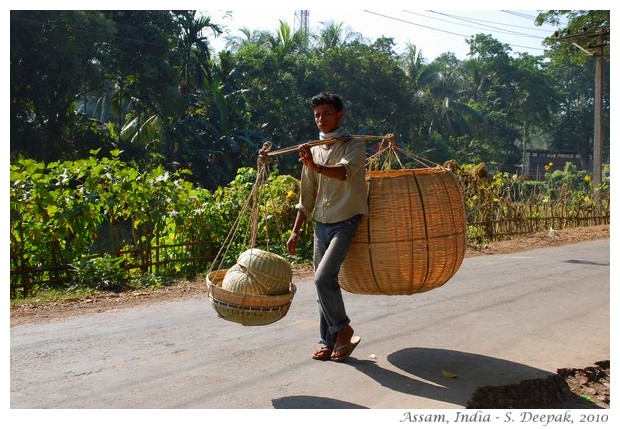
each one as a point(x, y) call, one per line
point(598, 121)
point(597, 51)
point(301, 23)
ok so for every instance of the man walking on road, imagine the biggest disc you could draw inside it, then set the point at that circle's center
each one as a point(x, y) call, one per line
point(333, 194)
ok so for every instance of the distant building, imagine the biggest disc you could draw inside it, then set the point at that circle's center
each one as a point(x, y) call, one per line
point(538, 159)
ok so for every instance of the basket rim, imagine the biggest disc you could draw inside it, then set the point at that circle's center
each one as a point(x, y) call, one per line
point(407, 171)
point(228, 305)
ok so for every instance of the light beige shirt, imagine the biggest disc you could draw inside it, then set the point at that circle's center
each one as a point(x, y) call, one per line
point(329, 200)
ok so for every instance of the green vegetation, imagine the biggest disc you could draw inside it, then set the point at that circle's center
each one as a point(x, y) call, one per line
point(503, 206)
point(99, 224)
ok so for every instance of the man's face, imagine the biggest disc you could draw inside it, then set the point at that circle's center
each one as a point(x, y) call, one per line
point(327, 118)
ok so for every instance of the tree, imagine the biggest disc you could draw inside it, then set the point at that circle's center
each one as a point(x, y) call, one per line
point(248, 37)
point(416, 70)
point(537, 101)
point(286, 42)
point(449, 119)
point(148, 83)
point(192, 53)
point(270, 80)
point(581, 28)
point(335, 34)
point(55, 61)
point(571, 126)
point(189, 130)
point(137, 62)
point(370, 79)
point(513, 95)
point(445, 82)
point(583, 39)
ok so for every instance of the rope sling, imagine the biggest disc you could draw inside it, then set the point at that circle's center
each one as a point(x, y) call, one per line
point(413, 239)
point(258, 289)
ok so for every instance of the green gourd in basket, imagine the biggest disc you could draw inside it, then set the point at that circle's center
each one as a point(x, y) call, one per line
point(259, 272)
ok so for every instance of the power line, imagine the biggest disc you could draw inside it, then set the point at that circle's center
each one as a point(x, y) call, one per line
point(506, 24)
point(532, 18)
point(487, 26)
point(418, 25)
point(453, 33)
point(501, 29)
point(519, 14)
point(439, 19)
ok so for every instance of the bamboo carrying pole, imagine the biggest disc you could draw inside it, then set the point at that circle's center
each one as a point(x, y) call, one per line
point(329, 141)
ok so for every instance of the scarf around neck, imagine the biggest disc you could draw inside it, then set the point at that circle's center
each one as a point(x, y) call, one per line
point(340, 132)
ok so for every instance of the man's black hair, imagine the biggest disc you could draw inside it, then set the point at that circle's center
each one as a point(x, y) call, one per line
point(327, 97)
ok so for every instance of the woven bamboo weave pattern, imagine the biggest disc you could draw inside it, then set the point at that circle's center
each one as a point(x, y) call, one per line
point(244, 308)
point(238, 279)
point(414, 238)
point(272, 271)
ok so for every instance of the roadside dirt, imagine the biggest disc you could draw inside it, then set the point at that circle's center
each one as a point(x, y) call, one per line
point(569, 388)
point(34, 312)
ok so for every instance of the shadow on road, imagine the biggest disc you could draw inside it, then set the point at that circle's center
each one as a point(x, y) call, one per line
point(445, 375)
point(312, 402)
point(581, 261)
point(464, 379)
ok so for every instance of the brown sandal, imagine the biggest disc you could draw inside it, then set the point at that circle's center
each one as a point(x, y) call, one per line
point(324, 353)
point(343, 352)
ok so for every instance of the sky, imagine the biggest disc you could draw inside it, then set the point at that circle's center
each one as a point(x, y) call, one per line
point(434, 32)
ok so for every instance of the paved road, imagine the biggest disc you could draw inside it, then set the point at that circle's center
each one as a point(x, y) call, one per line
point(501, 319)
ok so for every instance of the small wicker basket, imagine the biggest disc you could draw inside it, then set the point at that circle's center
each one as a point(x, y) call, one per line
point(247, 309)
point(414, 238)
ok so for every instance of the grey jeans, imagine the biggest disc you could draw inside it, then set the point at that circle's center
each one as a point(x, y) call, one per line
point(331, 243)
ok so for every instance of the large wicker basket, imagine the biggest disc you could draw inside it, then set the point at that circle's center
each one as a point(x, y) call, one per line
point(414, 238)
point(247, 309)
